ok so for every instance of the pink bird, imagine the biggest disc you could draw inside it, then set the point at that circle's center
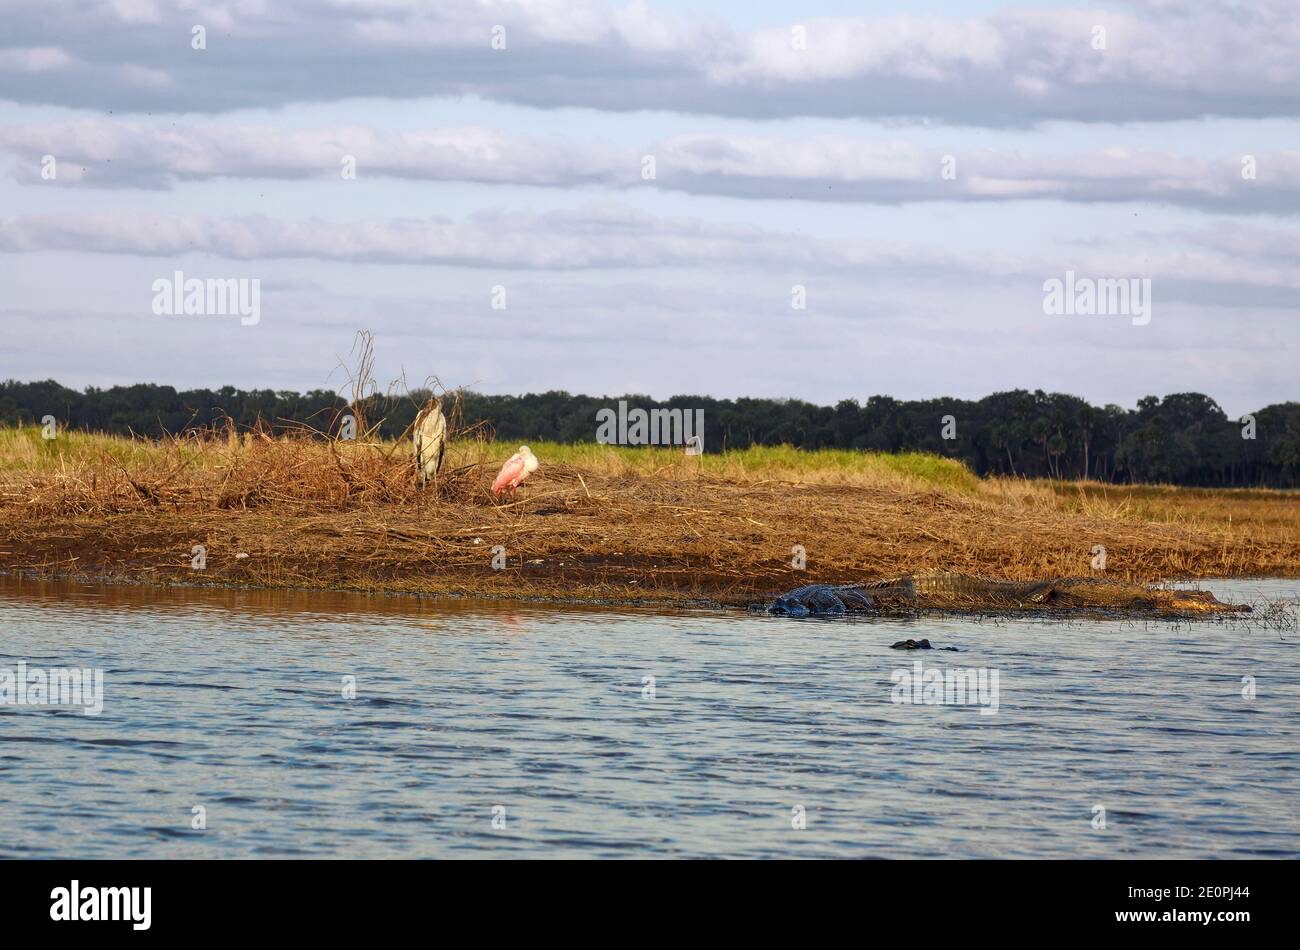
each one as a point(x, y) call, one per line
point(518, 467)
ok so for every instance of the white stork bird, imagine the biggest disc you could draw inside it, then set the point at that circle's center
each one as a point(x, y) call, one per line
point(430, 440)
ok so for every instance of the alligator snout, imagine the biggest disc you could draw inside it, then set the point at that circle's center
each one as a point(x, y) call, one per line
point(822, 600)
point(785, 607)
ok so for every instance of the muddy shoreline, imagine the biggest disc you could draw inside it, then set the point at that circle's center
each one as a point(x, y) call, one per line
point(119, 580)
point(668, 537)
point(659, 605)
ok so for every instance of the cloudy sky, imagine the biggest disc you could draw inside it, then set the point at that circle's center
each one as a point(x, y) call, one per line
point(648, 183)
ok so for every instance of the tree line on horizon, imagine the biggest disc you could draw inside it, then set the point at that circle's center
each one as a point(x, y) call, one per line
point(1182, 439)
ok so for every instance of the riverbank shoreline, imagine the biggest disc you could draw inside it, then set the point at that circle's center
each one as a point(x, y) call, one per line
point(397, 557)
point(598, 524)
point(1266, 614)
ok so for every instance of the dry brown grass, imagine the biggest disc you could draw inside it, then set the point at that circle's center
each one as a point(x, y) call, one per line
point(595, 523)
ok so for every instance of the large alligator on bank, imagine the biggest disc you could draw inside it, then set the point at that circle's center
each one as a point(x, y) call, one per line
point(964, 592)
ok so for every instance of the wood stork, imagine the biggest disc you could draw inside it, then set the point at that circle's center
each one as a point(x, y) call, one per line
point(430, 440)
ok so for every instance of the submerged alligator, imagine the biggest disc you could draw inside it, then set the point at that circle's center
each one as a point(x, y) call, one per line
point(964, 592)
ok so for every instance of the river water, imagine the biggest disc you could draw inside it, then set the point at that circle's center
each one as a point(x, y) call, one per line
point(268, 724)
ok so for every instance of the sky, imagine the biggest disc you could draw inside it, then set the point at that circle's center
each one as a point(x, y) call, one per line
point(820, 200)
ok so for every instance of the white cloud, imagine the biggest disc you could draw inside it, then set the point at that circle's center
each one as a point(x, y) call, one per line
point(38, 59)
point(1012, 68)
point(609, 237)
point(825, 168)
point(143, 77)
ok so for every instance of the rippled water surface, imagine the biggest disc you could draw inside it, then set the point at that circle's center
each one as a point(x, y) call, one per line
point(542, 719)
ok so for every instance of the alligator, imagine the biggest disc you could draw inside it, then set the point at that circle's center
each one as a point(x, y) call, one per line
point(965, 592)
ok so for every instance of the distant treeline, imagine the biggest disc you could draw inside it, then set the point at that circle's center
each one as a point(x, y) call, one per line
point(1183, 439)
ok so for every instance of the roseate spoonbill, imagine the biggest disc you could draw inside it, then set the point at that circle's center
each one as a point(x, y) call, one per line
point(430, 440)
point(518, 467)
